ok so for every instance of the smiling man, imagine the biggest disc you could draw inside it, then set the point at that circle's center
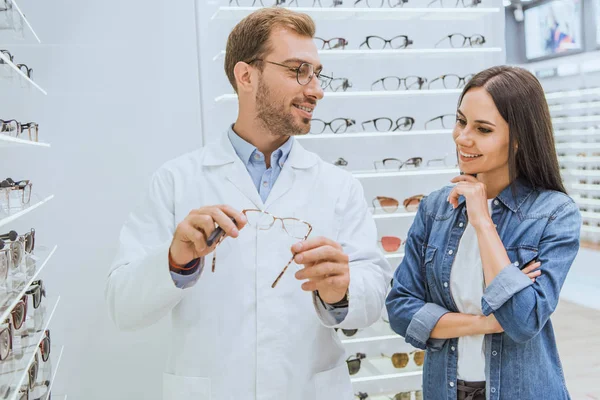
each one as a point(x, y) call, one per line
point(249, 327)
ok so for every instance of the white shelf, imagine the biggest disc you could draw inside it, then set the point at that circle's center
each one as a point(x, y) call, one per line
point(579, 160)
point(577, 132)
point(11, 299)
point(581, 172)
point(575, 106)
point(372, 134)
point(420, 53)
point(372, 14)
point(590, 215)
point(367, 94)
point(55, 370)
point(17, 377)
point(578, 146)
point(578, 119)
point(21, 73)
point(394, 255)
point(416, 172)
point(572, 93)
point(395, 215)
point(580, 186)
point(387, 376)
point(8, 141)
point(19, 214)
point(586, 202)
point(590, 229)
point(25, 20)
point(373, 339)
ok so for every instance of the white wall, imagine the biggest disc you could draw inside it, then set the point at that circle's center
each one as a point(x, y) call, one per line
point(123, 87)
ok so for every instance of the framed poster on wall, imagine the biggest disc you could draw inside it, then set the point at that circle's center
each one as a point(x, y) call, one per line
point(553, 28)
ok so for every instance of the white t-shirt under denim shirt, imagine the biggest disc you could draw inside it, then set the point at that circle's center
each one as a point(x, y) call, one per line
point(467, 284)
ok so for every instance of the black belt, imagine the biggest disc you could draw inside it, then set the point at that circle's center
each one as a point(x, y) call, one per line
point(472, 389)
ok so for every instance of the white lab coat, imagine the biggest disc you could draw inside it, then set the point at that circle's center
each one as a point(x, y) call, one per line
point(234, 337)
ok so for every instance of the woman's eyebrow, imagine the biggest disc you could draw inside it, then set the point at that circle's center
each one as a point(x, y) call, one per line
point(481, 121)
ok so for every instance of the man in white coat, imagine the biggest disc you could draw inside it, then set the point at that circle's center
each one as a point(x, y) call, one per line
point(237, 334)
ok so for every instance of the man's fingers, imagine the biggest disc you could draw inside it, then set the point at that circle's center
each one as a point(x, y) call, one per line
point(313, 243)
point(201, 222)
point(239, 217)
point(193, 235)
point(319, 271)
point(326, 252)
point(224, 221)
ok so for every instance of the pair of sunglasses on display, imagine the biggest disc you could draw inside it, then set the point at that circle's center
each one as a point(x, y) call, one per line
point(15, 322)
point(8, 185)
point(16, 129)
point(391, 205)
point(21, 67)
point(399, 360)
point(390, 244)
point(348, 332)
point(13, 248)
point(262, 220)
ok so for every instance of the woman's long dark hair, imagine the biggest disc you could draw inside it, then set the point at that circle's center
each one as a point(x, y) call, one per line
point(520, 99)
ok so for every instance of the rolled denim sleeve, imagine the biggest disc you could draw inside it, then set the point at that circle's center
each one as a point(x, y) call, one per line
point(186, 278)
point(409, 314)
point(332, 315)
point(504, 286)
point(527, 311)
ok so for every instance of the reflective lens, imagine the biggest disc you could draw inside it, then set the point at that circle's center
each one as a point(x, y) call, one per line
point(400, 360)
point(4, 262)
point(388, 204)
point(419, 357)
point(296, 228)
point(412, 203)
point(33, 371)
point(45, 348)
point(349, 332)
point(391, 243)
point(402, 396)
point(18, 314)
point(458, 40)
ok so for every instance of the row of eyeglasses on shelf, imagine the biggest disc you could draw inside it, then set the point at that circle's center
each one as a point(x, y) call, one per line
point(393, 83)
point(355, 3)
point(19, 130)
point(21, 67)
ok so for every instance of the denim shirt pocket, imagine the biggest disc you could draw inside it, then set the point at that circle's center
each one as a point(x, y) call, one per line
point(429, 252)
point(522, 254)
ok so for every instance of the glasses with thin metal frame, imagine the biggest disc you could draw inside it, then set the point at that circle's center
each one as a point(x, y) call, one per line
point(379, 43)
point(458, 40)
point(397, 83)
point(449, 81)
point(304, 72)
point(338, 125)
point(445, 121)
point(391, 205)
point(354, 362)
point(15, 129)
point(26, 70)
point(294, 227)
point(452, 3)
point(395, 164)
point(337, 43)
point(8, 186)
point(339, 85)
point(384, 124)
point(379, 3)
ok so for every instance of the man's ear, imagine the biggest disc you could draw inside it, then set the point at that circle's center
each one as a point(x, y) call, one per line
point(243, 76)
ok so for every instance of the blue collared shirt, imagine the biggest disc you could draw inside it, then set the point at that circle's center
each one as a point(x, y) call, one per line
point(521, 363)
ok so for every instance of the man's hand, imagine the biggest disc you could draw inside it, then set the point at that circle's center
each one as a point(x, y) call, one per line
point(189, 240)
point(325, 266)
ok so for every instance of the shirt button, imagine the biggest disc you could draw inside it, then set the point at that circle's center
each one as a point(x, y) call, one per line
point(461, 225)
point(496, 202)
point(493, 390)
point(451, 384)
point(257, 157)
point(494, 353)
point(516, 263)
point(265, 184)
point(451, 252)
point(445, 284)
point(453, 348)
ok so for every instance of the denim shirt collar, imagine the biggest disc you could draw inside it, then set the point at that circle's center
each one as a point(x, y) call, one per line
point(246, 150)
point(523, 190)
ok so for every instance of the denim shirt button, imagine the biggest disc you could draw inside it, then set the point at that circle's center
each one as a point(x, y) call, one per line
point(461, 225)
point(494, 353)
point(453, 348)
point(496, 202)
point(451, 252)
point(451, 384)
point(493, 390)
point(445, 284)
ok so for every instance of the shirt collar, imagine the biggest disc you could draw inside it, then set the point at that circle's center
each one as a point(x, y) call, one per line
point(245, 150)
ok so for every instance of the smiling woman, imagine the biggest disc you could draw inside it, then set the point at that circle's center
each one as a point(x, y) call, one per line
point(480, 279)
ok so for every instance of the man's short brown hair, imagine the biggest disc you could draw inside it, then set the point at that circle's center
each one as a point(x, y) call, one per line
point(249, 39)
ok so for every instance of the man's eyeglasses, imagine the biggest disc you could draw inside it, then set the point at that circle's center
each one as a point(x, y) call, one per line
point(377, 42)
point(452, 3)
point(449, 81)
point(379, 3)
point(14, 128)
point(338, 125)
point(304, 72)
point(397, 83)
point(331, 44)
point(458, 40)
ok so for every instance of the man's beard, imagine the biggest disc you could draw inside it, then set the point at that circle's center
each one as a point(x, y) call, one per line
point(274, 116)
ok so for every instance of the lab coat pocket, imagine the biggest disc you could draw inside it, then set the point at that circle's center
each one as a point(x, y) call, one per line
point(177, 387)
point(333, 384)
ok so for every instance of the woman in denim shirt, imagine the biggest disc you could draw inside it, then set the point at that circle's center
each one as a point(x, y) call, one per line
point(491, 294)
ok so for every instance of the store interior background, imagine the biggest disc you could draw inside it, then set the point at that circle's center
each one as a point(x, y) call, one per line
point(124, 84)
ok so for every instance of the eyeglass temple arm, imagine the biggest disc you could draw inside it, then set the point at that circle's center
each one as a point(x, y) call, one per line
point(444, 38)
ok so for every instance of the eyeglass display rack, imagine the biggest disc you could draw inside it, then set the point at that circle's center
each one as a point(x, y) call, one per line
point(573, 94)
point(362, 147)
point(15, 82)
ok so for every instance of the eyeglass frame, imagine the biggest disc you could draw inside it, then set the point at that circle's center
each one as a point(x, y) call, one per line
point(469, 38)
point(349, 122)
point(416, 161)
point(327, 42)
point(420, 81)
point(318, 74)
point(392, 123)
point(408, 42)
point(20, 128)
point(441, 118)
point(462, 79)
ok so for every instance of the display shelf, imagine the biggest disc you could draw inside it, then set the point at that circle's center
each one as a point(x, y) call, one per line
point(21, 74)
point(394, 255)
point(25, 20)
point(416, 53)
point(572, 93)
point(15, 375)
point(366, 94)
point(577, 132)
point(586, 202)
point(384, 215)
point(370, 14)
point(352, 135)
point(416, 172)
point(590, 215)
point(576, 119)
point(9, 300)
point(578, 146)
point(581, 172)
point(55, 370)
point(9, 141)
point(581, 186)
point(579, 160)
point(590, 229)
point(575, 106)
point(18, 214)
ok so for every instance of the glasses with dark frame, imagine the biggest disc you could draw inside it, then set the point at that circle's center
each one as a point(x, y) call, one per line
point(397, 83)
point(353, 363)
point(379, 43)
point(7, 54)
point(379, 3)
point(15, 129)
point(450, 81)
point(8, 185)
point(36, 291)
point(339, 85)
point(400, 360)
point(458, 40)
point(447, 121)
point(304, 72)
point(385, 124)
point(338, 125)
point(395, 164)
point(26, 70)
point(5, 5)
point(448, 3)
point(331, 44)
point(262, 220)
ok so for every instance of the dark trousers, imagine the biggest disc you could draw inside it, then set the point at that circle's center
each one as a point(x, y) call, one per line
point(470, 390)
